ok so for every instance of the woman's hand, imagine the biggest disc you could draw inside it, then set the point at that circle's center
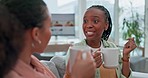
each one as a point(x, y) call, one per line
point(98, 58)
point(83, 68)
point(128, 47)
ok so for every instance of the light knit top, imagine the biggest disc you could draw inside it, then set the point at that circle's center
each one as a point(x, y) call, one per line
point(100, 72)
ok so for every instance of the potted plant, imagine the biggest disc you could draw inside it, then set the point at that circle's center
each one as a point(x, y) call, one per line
point(132, 27)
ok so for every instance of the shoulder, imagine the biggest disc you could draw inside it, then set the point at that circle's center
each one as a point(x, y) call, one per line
point(108, 44)
point(81, 43)
point(12, 74)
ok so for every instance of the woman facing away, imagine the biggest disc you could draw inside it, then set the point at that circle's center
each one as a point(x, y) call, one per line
point(25, 29)
point(97, 25)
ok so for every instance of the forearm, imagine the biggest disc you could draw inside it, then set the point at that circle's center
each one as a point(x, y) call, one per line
point(126, 66)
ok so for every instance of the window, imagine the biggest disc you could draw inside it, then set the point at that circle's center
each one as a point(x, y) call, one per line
point(131, 11)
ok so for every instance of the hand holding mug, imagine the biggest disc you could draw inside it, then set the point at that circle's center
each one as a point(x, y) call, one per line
point(73, 52)
point(97, 57)
point(81, 66)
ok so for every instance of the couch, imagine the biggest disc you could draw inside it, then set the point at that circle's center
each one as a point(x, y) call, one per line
point(57, 66)
point(138, 64)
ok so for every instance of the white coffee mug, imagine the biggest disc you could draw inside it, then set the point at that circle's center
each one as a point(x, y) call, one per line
point(110, 57)
point(73, 54)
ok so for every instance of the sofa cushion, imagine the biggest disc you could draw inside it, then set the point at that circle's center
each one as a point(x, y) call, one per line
point(138, 63)
point(59, 62)
point(50, 65)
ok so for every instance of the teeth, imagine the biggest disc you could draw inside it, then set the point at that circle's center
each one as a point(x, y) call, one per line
point(89, 33)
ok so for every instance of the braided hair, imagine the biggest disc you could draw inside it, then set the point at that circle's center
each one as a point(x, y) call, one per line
point(108, 19)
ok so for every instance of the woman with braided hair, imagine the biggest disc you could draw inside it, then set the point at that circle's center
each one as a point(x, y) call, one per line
point(97, 26)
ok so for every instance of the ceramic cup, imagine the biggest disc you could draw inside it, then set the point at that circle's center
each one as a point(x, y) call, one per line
point(73, 53)
point(110, 57)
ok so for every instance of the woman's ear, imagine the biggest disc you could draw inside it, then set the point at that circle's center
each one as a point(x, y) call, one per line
point(106, 26)
point(35, 34)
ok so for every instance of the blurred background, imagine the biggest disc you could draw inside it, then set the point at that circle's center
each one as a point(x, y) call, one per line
point(130, 19)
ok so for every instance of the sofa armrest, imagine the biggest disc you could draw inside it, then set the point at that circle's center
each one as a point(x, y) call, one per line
point(138, 63)
point(139, 75)
point(50, 65)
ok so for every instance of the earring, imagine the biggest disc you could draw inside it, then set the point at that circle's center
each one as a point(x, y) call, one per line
point(32, 45)
point(39, 42)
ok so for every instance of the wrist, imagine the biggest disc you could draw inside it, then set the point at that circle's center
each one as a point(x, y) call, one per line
point(126, 55)
point(125, 59)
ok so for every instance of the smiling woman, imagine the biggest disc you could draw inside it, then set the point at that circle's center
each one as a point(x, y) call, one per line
point(97, 26)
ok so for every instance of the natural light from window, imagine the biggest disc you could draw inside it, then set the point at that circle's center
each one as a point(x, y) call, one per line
point(63, 2)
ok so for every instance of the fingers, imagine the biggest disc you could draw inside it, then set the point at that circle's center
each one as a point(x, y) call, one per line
point(131, 43)
point(98, 61)
point(88, 64)
point(89, 56)
point(94, 51)
point(96, 54)
point(131, 39)
point(98, 58)
point(67, 67)
point(67, 73)
point(84, 55)
point(79, 55)
point(129, 46)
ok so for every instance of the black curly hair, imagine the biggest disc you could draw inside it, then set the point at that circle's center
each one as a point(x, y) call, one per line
point(11, 38)
point(16, 17)
point(31, 13)
point(107, 32)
